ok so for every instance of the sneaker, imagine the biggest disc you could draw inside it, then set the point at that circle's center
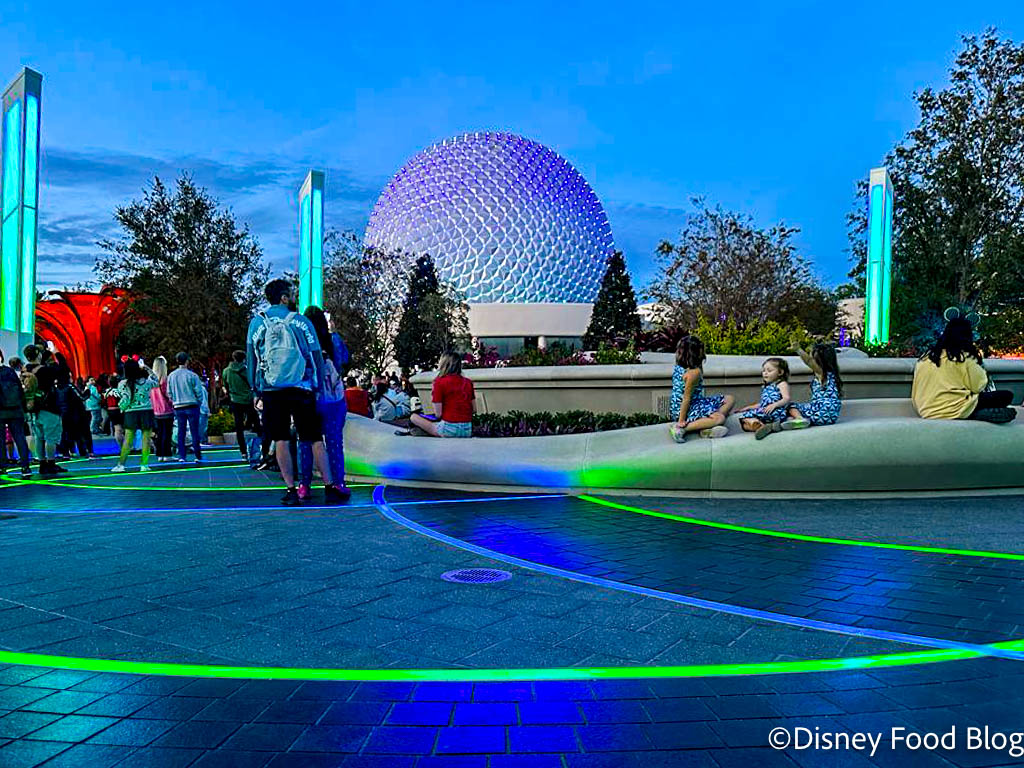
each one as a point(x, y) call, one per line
point(290, 498)
point(180, 461)
point(26, 473)
point(713, 433)
point(766, 429)
point(305, 495)
point(789, 424)
point(678, 433)
point(117, 468)
point(58, 468)
point(144, 468)
point(334, 494)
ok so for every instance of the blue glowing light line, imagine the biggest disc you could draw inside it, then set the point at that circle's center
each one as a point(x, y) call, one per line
point(694, 602)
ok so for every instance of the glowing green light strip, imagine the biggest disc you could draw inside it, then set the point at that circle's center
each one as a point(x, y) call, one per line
point(799, 536)
point(12, 159)
point(876, 661)
point(874, 277)
point(304, 255)
point(316, 267)
point(204, 468)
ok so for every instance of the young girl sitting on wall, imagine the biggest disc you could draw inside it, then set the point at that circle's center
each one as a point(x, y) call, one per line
point(826, 391)
point(693, 410)
point(760, 417)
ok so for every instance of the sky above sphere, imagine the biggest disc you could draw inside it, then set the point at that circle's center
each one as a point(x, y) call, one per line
point(771, 109)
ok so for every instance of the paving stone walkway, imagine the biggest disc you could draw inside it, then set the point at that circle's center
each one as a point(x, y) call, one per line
point(200, 565)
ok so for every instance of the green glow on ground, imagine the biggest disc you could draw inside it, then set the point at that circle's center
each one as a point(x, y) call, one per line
point(799, 536)
point(490, 675)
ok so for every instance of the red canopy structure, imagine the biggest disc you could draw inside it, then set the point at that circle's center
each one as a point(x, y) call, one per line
point(83, 326)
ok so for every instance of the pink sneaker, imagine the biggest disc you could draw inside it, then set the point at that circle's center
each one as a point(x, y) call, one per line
point(305, 495)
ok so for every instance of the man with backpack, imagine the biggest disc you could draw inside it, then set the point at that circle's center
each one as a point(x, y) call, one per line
point(44, 415)
point(12, 417)
point(284, 364)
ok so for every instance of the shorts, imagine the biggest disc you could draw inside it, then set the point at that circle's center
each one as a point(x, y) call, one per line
point(47, 427)
point(455, 428)
point(140, 420)
point(116, 418)
point(281, 406)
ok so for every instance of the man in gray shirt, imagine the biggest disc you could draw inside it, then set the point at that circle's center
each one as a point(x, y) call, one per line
point(185, 390)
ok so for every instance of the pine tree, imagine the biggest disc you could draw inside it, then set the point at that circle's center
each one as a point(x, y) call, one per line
point(615, 314)
point(422, 334)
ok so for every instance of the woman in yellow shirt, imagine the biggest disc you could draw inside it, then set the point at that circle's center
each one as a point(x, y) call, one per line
point(950, 382)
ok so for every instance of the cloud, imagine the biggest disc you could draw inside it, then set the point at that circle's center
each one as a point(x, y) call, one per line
point(82, 189)
point(638, 229)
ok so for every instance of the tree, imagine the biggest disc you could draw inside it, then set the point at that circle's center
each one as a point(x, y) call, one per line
point(958, 219)
point(433, 318)
point(725, 267)
point(614, 314)
point(196, 274)
point(363, 295)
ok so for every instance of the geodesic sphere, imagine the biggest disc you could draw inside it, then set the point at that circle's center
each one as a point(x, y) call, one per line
point(506, 219)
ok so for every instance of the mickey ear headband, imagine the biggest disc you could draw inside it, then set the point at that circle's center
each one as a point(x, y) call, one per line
point(952, 313)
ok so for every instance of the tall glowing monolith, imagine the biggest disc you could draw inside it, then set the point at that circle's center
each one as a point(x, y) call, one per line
point(19, 206)
point(311, 241)
point(879, 265)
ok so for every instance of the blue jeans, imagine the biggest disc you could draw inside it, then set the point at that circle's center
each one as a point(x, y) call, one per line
point(333, 417)
point(96, 422)
point(188, 414)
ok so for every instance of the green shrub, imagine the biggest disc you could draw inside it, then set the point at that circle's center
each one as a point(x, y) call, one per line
point(220, 423)
point(609, 355)
point(767, 338)
point(728, 338)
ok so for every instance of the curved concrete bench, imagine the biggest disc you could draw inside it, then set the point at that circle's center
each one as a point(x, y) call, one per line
point(878, 446)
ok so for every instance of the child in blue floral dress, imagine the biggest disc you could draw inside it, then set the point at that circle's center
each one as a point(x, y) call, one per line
point(826, 390)
point(692, 410)
point(775, 397)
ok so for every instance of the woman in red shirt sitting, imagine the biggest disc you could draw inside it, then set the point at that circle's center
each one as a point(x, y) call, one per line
point(453, 399)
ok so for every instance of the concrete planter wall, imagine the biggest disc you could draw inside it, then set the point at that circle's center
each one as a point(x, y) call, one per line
point(646, 387)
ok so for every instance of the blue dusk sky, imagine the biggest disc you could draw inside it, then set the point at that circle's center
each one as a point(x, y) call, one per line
point(772, 109)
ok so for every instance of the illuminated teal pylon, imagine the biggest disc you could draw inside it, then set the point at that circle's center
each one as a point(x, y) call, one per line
point(879, 264)
point(311, 241)
point(19, 193)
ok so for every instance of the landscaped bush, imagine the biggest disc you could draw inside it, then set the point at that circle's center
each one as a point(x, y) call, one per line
point(727, 338)
point(519, 424)
point(609, 355)
point(220, 423)
point(556, 354)
point(902, 349)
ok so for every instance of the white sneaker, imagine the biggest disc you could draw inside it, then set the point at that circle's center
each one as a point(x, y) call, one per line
point(117, 468)
point(715, 432)
point(789, 424)
point(144, 468)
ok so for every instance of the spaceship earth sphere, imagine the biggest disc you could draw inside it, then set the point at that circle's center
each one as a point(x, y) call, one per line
point(506, 220)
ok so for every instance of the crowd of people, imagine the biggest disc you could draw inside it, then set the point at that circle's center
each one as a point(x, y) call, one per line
point(289, 395)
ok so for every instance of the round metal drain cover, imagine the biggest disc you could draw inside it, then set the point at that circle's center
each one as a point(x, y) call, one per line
point(476, 576)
